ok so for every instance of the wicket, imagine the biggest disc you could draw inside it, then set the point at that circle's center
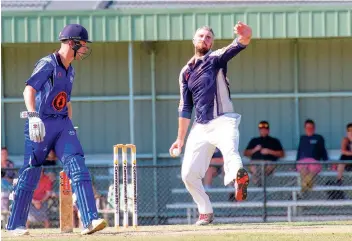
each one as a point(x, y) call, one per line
point(124, 149)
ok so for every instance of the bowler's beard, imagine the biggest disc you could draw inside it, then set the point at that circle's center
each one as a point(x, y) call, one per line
point(202, 51)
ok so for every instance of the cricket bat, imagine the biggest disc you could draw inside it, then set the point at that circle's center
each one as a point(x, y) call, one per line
point(66, 205)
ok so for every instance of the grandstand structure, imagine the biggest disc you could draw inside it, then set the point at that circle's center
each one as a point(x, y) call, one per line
point(297, 67)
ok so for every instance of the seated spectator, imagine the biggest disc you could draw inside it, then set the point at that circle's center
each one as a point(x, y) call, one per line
point(51, 161)
point(9, 175)
point(263, 148)
point(215, 168)
point(346, 153)
point(51, 156)
point(311, 149)
point(39, 206)
point(111, 196)
point(6, 188)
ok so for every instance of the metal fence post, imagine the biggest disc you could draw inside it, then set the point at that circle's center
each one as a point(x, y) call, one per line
point(263, 164)
point(155, 170)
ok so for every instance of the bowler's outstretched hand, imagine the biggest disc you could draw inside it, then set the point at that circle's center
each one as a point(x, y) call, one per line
point(244, 33)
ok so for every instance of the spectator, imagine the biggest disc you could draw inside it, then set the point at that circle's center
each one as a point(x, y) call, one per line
point(9, 175)
point(263, 148)
point(51, 156)
point(311, 149)
point(6, 188)
point(346, 153)
point(215, 168)
point(111, 197)
point(39, 206)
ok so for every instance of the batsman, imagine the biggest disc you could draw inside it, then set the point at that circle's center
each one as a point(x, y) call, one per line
point(49, 127)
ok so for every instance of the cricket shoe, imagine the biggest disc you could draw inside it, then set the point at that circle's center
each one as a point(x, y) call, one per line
point(241, 184)
point(96, 225)
point(19, 231)
point(205, 219)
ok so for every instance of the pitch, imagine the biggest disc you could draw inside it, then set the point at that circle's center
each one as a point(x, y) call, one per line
point(307, 231)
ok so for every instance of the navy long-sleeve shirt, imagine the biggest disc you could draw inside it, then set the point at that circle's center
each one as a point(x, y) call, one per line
point(312, 147)
point(204, 85)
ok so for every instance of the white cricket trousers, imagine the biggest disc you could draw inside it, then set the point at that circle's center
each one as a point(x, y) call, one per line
point(221, 132)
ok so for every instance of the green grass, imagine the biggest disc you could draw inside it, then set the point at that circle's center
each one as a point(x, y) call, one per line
point(307, 231)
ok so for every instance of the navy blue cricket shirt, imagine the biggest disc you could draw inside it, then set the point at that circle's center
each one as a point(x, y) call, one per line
point(204, 85)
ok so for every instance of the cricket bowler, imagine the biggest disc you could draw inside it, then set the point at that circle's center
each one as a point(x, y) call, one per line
point(204, 86)
point(49, 127)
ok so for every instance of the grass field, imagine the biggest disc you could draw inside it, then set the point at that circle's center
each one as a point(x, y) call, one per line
point(308, 231)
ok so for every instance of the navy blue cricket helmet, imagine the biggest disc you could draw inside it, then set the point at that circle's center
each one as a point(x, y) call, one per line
point(74, 32)
point(77, 33)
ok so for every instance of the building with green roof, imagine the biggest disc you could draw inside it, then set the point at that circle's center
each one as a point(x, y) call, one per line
point(297, 67)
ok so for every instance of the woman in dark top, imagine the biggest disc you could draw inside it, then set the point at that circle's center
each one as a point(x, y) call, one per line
point(346, 153)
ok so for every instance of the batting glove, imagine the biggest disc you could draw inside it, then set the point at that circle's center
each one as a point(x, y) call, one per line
point(36, 127)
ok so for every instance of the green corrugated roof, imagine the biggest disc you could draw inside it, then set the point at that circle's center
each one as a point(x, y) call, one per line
point(179, 24)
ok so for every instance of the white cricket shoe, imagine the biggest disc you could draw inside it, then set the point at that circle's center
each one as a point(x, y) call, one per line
point(19, 231)
point(205, 219)
point(96, 225)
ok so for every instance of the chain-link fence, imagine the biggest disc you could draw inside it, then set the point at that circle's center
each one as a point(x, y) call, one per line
point(287, 192)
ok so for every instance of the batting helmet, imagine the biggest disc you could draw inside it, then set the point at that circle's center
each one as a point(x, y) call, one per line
point(74, 32)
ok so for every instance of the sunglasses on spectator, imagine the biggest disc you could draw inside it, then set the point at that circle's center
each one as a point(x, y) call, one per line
point(262, 125)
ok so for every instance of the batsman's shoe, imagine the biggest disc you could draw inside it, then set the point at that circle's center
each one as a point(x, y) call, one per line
point(205, 219)
point(19, 231)
point(96, 225)
point(241, 184)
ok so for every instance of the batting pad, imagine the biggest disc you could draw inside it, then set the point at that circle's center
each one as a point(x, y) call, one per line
point(27, 183)
point(82, 187)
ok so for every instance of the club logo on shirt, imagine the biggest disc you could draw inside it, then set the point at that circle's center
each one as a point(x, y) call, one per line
point(60, 101)
point(59, 75)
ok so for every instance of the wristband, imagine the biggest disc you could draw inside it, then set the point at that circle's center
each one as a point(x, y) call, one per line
point(32, 114)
